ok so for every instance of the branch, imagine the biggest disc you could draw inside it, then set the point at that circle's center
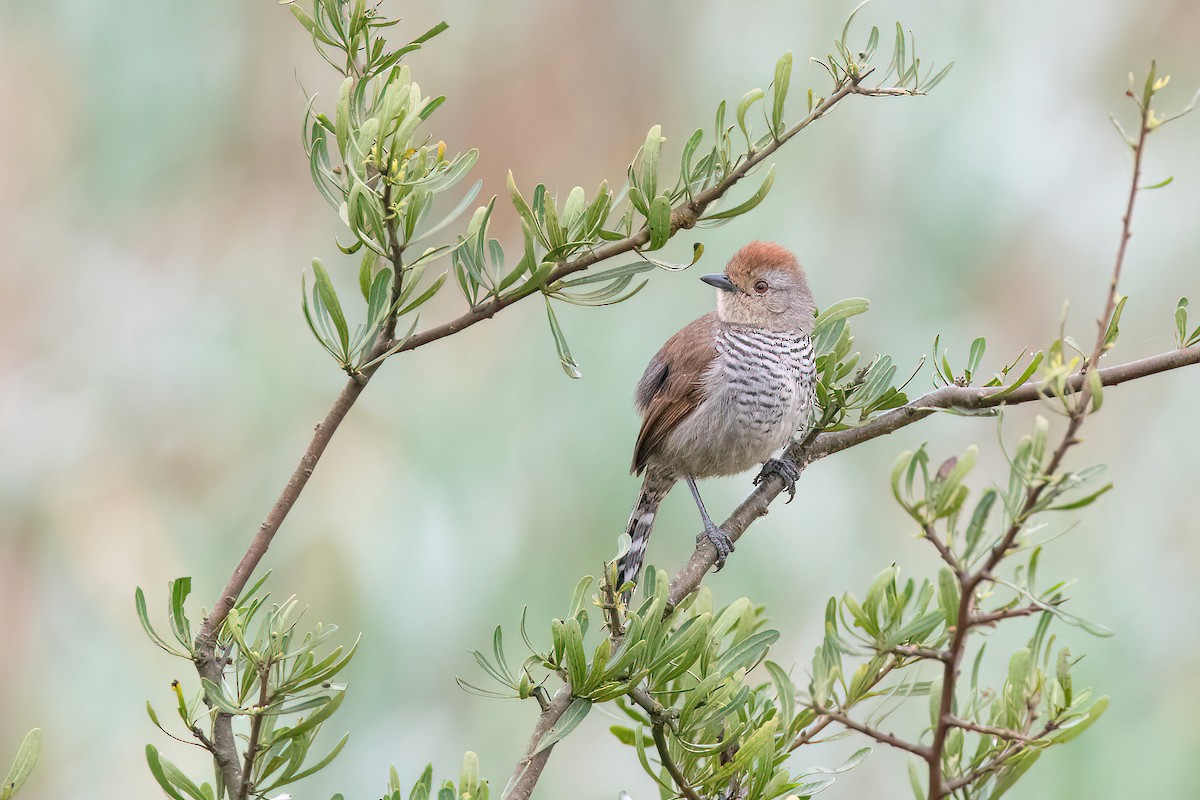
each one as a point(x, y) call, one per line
point(658, 725)
point(879, 736)
point(988, 730)
point(999, 761)
point(978, 620)
point(1077, 412)
point(255, 729)
point(950, 397)
point(683, 216)
point(943, 550)
point(529, 768)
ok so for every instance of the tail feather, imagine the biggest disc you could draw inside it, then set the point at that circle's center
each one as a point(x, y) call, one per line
point(641, 524)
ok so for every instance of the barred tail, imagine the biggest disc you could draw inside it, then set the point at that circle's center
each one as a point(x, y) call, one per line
point(641, 523)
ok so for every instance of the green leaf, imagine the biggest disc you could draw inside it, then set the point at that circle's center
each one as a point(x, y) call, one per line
point(1025, 376)
point(453, 215)
point(936, 79)
point(139, 601)
point(948, 596)
point(1017, 766)
point(783, 77)
point(747, 652)
point(341, 120)
point(324, 296)
point(750, 98)
point(180, 588)
point(1113, 331)
point(564, 353)
point(914, 780)
point(751, 203)
point(977, 349)
point(1158, 185)
point(289, 777)
point(574, 654)
point(1066, 734)
point(650, 156)
point(659, 221)
point(624, 735)
point(424, 296)
point(170, 778)
point(568, 722)
point(23, 763)
point(220, 699)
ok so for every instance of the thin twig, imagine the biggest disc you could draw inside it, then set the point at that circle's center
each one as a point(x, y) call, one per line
point(879, 736)
point(943, 550)
point(978, 620)
point(664, 755)
point(255, 728)
point(529, 768)
point(822, 721)
point(999, 761)
point(913, 651)
point(659, 722)
point(988, 730)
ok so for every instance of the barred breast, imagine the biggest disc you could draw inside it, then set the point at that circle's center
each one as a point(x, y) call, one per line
point(759, 392)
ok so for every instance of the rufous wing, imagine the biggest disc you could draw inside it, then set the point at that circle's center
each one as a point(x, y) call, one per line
point(673, 385)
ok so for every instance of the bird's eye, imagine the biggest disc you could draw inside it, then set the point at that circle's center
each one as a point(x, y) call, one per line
point(761, 287)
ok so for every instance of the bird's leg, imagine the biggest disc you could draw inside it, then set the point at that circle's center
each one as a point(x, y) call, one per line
point(785, 469)
point(719, 538)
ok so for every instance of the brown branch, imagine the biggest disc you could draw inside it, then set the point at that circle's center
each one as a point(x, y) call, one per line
point(990, 618)
point(659, 722)
point(396, 256)
point(943, 550)
point(529, 768)
point(999, 761)
point(819, 724)
point(913, 651)
point(884, 738)
point(988, 730)
point(951, 397)
point(664, 755)
point(255, 729)
point(822, 721)
point(684, 216)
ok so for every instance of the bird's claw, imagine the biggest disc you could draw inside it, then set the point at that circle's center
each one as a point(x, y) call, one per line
point(785, 469)
point(720, 541)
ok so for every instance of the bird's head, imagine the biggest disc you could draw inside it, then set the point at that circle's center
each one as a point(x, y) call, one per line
point(764, 285)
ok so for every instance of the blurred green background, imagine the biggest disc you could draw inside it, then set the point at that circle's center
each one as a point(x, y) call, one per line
point(157, 380)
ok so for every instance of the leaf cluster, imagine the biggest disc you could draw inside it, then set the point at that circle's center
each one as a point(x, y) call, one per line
point(681, 677)
point(841, 388)
point(277, 679)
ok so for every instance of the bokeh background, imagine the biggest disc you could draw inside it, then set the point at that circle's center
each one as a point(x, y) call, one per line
point(157, 380)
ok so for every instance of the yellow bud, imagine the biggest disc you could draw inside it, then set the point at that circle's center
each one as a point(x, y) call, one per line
point(441, 149)
point(1161, 82)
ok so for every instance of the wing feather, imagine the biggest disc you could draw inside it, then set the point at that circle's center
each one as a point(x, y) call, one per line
point(673, 385)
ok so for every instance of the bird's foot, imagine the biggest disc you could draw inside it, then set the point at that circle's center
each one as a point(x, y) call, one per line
point(720, 541)
point(785, 469)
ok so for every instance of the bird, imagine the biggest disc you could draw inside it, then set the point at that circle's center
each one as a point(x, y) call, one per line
point(725, 392)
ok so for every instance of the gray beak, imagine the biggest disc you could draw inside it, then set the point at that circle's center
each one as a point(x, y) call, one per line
point(719, 280)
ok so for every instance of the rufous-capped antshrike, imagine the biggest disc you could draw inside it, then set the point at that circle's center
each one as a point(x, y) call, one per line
point(727, 391)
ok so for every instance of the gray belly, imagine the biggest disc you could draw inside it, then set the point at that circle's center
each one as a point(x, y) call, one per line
point(753, 408)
